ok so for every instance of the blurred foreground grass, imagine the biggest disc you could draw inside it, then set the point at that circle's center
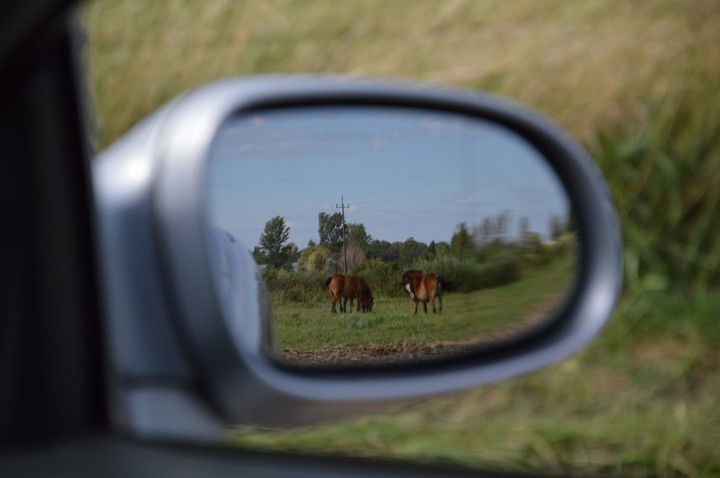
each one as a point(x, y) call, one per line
point(587, 64)
point(642, 400)
point(638, 83)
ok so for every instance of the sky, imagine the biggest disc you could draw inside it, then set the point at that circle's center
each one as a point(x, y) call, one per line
point(400, 172)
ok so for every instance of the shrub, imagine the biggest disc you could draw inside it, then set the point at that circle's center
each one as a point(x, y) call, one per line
point(384, 278)
point(466, 276)
point(295, 286)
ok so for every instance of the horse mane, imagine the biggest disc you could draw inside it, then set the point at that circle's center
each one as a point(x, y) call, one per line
point(407, 273)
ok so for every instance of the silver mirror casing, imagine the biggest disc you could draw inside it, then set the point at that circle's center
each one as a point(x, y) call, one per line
point(187, 365)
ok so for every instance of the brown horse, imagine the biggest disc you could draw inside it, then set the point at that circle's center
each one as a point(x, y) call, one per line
point(344, 287)
point(367, 301)
point(423, 288)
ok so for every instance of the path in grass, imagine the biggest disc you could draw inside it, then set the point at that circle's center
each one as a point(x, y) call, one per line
point(309, 333)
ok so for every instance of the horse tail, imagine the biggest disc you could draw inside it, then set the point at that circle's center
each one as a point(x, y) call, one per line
point(446, 285)
point(327, 282)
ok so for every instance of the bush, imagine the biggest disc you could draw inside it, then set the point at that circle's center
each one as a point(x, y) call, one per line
point(295, 286)
point(466, 276)
point(536, 253)
point(384, 278)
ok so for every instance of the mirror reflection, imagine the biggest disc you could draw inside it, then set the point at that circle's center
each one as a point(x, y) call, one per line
point(390, 235)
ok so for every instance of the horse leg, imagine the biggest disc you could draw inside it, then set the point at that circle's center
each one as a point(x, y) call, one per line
point(334, 301)
point(439, 298)
point(432, 303)
point(415, 303)
point(425, 307)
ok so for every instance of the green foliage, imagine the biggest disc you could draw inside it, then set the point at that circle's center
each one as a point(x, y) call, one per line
point(383, 277)
point(462, 243)
point(357, 236)
point(467, 276)
point(384, 250)
point(410, 250)
point(314, 258)
point(495, 265)
point(330, 230)
point(492, 230)
point(665, 179)
point(271, 249)
point(533, 252)
point(295, 286)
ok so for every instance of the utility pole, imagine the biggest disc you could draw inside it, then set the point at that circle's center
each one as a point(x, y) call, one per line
point(342, 207)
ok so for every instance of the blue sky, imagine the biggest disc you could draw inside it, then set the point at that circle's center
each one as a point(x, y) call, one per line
point(404, 173)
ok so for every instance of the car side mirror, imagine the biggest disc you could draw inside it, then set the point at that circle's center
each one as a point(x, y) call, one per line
point(200, 206)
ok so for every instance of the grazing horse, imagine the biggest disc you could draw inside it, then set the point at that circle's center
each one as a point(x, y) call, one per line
point(423, 288)
point(344, 287)
point(367, 301)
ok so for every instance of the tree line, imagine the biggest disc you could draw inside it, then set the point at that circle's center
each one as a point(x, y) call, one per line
point(275, 251)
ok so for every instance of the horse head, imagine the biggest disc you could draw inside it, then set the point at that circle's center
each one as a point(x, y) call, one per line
point(408, 281)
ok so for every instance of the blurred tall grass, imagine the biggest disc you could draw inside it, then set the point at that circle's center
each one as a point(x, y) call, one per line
point(636, 82)
point(665, 178)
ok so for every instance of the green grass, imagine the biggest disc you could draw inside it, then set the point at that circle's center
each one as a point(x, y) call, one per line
point(465, 316)
point(640, 401)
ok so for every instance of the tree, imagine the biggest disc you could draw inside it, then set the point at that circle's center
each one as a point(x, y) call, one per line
point(272, 248)
point(492, 230)
point(524, 228)
point(557, 227)
point(431, 252)
point(484, 233)
point(501, 225)
point(290, 254)
point(356, 236)
point(384, 250)
point(462, 242)
point(411, 250)
point(330, 230)
point(442, 248)
point(259, 255)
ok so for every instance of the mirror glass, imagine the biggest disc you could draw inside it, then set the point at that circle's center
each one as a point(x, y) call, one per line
point(339, 205)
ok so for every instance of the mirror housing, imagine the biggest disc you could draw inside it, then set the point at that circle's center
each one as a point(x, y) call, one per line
point(178, 350)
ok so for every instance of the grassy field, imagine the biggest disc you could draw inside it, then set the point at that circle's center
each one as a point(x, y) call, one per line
point(500, 313)
point(638, 83)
